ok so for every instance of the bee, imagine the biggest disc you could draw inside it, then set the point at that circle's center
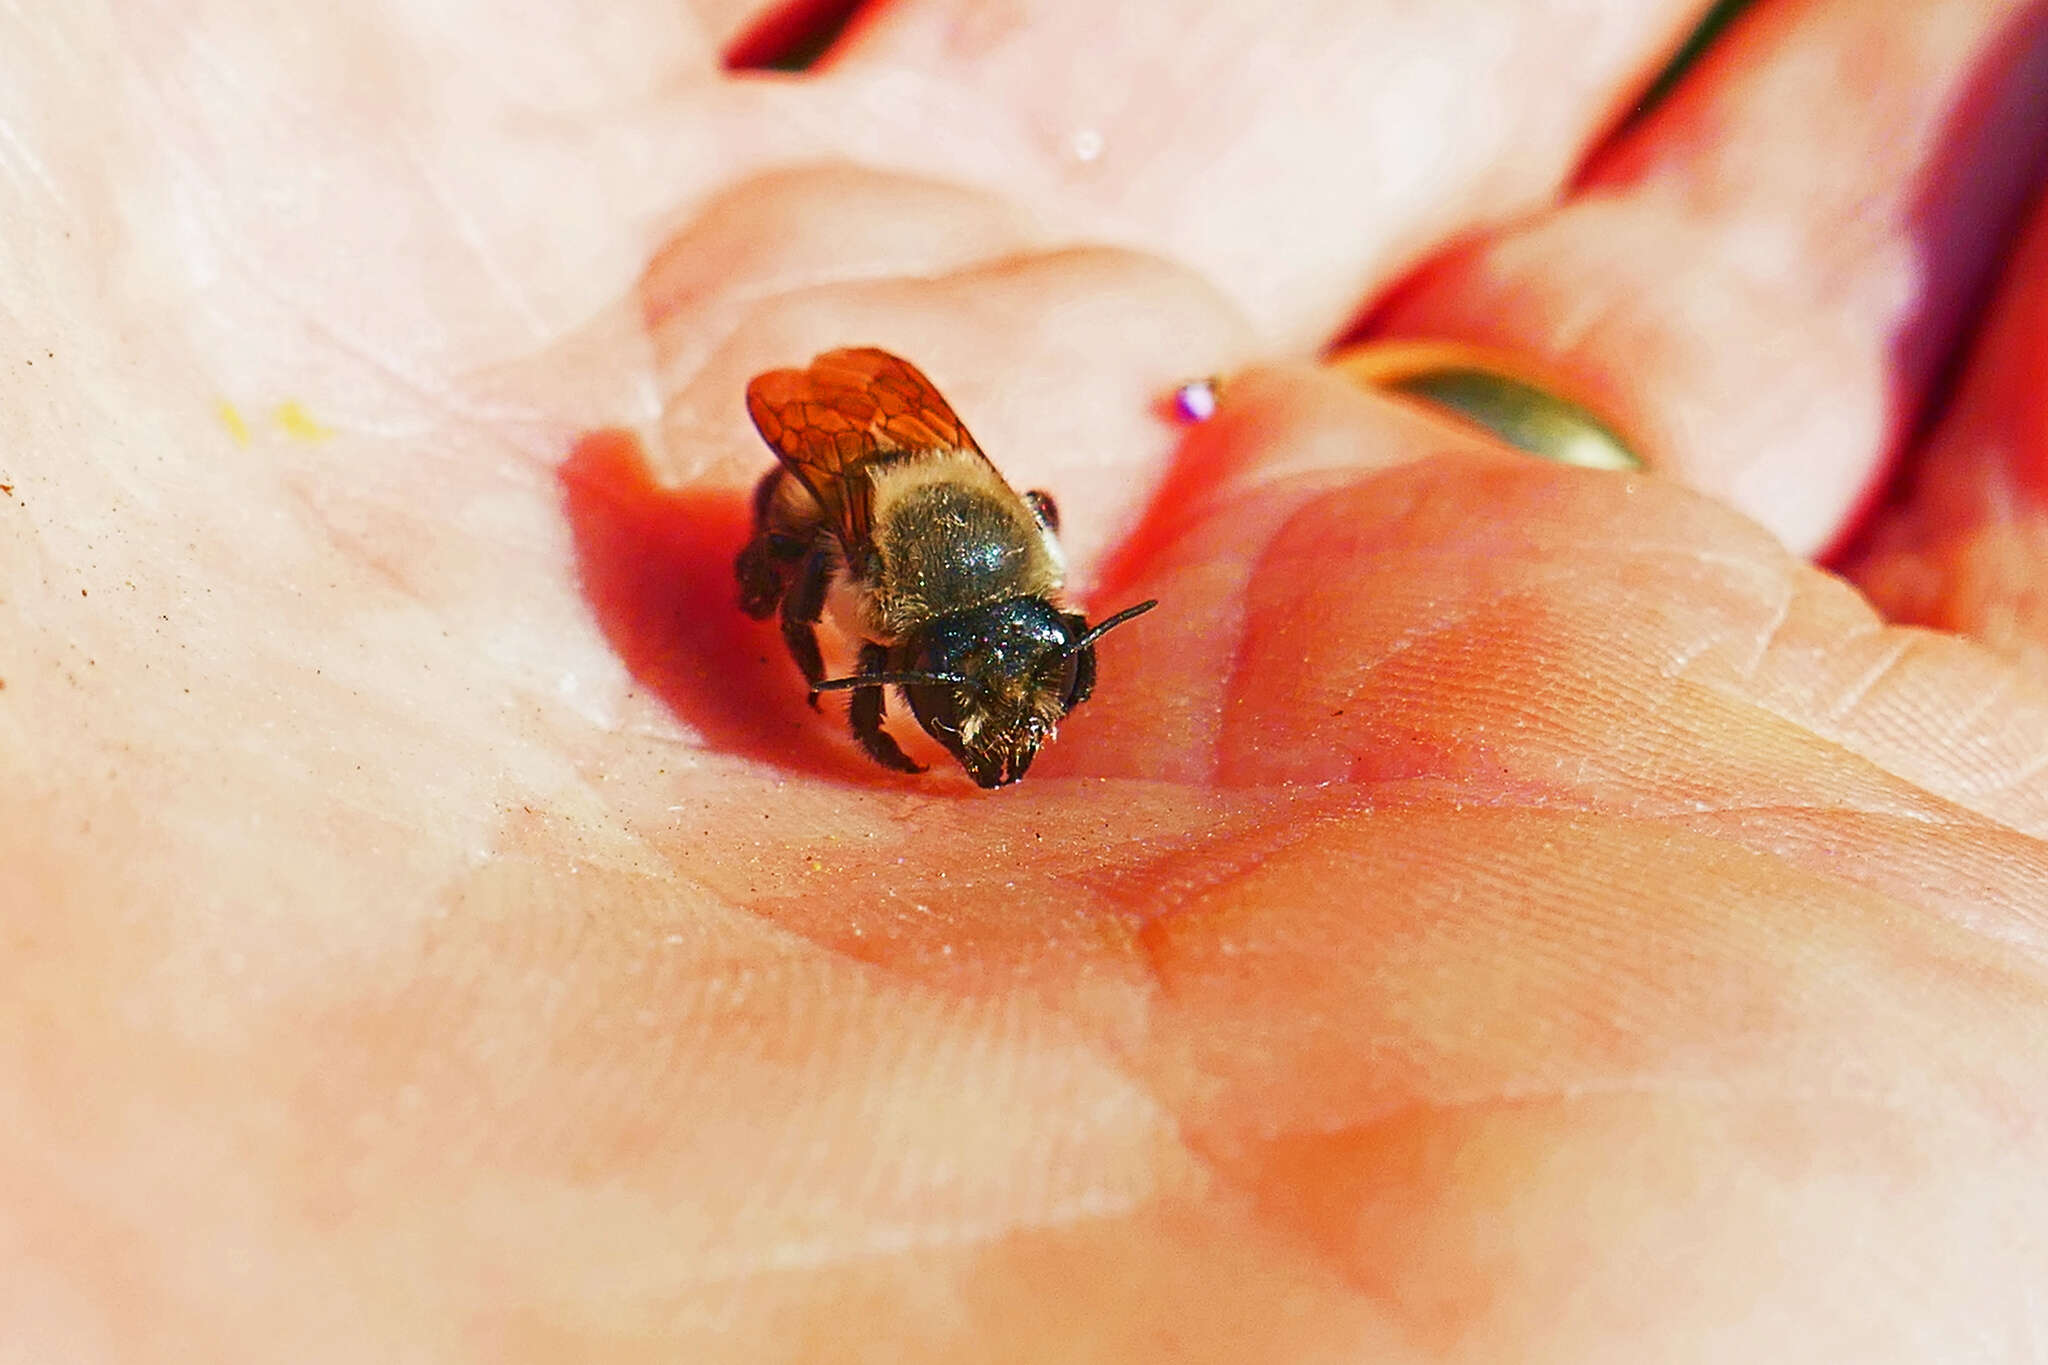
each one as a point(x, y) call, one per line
point(883, 509)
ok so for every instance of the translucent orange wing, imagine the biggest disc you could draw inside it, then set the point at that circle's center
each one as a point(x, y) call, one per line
point(848, 411)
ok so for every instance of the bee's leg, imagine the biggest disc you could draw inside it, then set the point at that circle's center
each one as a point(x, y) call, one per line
point(762, 578)
point(1044, 508)
point(866, 711)
point(771, 558)
point(802, 605)
point(765, 489)
point(1084, 666)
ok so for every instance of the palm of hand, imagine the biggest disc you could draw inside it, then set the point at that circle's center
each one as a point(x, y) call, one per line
point(1479, 893)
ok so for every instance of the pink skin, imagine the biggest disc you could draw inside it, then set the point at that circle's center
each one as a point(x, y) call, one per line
point(1490, 912)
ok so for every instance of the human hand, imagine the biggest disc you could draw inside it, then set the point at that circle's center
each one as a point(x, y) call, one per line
point(1488, 910)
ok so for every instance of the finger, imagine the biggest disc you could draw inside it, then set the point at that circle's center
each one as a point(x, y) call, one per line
point(1762, 281)
point(1295, 153)
point(1967, 551)
point(1386, 618)
point(1052, 358)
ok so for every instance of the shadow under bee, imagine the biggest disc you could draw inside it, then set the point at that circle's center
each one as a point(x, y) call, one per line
point(656, 567)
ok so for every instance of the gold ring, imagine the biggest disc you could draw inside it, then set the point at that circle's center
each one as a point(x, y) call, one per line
point(1492, 391)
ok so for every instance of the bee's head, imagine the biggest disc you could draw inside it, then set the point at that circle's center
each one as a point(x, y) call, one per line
point(1022, 665)
point(992, 683)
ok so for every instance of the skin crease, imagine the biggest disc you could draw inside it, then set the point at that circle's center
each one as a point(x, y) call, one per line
point(1489, 911)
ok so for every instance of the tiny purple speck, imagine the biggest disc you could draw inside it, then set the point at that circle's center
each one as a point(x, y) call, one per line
point(1196, 401)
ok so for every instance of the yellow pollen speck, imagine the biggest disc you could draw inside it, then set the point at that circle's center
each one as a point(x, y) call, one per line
point(297, 422)
point(231, 418)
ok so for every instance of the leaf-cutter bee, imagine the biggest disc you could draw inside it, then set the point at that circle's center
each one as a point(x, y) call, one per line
point(885, 509)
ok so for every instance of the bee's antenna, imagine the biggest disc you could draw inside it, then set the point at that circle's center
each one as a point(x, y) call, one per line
point(883, 680)
point(1097, 632)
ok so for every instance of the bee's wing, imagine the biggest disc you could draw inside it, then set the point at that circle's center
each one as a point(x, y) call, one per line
point(851, 409)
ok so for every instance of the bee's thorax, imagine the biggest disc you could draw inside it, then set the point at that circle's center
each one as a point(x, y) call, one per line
point(951, 536)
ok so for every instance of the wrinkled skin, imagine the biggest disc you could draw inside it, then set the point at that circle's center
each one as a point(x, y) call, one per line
point(1487, 912)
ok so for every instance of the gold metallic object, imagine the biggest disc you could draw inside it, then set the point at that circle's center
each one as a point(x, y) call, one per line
point(1493, 391)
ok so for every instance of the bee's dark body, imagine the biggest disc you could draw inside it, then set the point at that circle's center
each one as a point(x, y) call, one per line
point(947, 577)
